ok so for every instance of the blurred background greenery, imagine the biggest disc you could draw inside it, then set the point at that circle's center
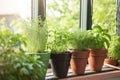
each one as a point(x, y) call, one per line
point(65, 13)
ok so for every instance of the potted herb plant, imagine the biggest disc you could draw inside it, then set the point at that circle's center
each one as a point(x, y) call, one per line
point(80, 41)
point(58, 44)
point(15, 63)
point(35, 31)
point(98, 47)
point(113, 50)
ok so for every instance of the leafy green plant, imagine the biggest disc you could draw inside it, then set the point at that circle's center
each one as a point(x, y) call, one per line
point(10, 43)
point(35, 30)
point(100, 38)
point(114, 49)
point(22, 67)
point(80, 40)
point(58, 40)
point(15, 63)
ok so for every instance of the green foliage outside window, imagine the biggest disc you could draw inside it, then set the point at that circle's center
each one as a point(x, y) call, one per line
point(63, 13)
point(104, 13)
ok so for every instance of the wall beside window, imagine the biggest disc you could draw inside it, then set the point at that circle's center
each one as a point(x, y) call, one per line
point(14, 9)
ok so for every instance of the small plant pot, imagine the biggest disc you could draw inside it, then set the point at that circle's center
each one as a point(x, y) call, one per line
point(60, 64)
point(78, 61)
point(110, 61)
point(96, 59)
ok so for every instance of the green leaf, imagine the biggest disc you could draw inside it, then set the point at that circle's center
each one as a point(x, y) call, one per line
point(24, 71)
point(106, 42)
point(97, 27)
point(108, 36)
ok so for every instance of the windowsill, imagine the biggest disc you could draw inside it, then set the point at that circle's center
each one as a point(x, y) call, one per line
point(105, 69)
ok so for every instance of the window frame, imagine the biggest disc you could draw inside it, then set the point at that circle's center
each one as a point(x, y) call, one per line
point(38, 8)
point(85, 14)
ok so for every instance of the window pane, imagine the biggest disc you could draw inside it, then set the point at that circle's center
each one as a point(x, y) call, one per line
point(104, 13)
point(64, 13)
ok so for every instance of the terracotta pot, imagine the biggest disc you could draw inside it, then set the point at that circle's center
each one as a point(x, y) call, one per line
point(111, 61)
point(60, 64)
point(78, 61)
point(96, 59)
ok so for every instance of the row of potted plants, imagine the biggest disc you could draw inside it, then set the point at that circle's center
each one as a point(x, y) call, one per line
point(67, 47)
point(15, 63)
point(22, 51)
point(81, 46)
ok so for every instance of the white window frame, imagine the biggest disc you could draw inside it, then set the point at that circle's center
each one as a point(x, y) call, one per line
point(38, 8)
point(34, 9)
point(83, 14)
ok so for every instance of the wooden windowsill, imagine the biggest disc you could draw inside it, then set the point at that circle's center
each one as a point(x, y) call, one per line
point(106, 72)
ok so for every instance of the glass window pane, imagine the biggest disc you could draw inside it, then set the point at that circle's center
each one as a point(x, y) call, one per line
point(64, 13)
point(104, 13)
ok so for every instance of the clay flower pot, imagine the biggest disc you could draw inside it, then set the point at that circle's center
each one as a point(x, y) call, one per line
point(111, 61)
point(60, 64)
point(96, 59)
point(78, 61)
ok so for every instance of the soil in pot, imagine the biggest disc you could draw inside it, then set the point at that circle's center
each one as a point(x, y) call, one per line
point(96, 59)
point(111, 61)
point(60, 64)
point(78, 61)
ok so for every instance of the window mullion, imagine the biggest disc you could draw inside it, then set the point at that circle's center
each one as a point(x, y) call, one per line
point(83, 14)
point(34, 8)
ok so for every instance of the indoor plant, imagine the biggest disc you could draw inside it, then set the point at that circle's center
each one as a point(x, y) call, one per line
point(98, 47)
point(35, 31)
point(58, 44)
point(15, 63)
point(80, 41)
point(113, 50)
